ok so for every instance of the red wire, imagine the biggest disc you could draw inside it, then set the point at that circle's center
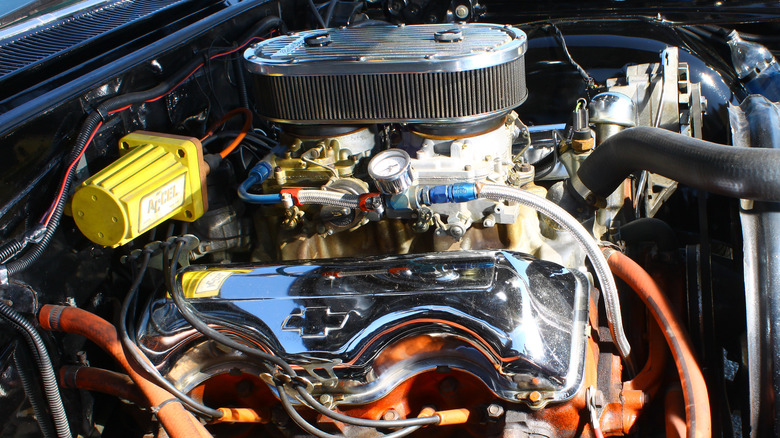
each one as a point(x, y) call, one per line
point(120, 109)
point(47, 217)
point(218, 55)
point(70, 169)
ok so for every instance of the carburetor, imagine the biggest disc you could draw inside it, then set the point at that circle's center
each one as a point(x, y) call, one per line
point(447, 89)
point(425, 161)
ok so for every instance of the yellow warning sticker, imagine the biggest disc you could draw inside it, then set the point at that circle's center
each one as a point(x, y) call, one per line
point(205, 284)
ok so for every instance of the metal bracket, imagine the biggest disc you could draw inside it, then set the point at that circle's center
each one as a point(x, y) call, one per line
point(595, 401)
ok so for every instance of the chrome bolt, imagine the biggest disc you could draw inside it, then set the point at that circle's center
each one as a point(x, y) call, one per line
point(457, 231)
point(462, 12)
point(326, 399)
point(495, 411)
point(391, 415)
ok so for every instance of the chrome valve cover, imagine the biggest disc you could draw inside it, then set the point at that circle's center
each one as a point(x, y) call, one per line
point(515, 322)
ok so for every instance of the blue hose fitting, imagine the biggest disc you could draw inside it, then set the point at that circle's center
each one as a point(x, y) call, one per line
point(257, 175)
point(463, 192)
point(438, 195)
point(262, 171)
point(453, 193)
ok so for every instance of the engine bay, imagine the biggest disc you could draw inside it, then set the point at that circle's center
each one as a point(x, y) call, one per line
point(392, 218)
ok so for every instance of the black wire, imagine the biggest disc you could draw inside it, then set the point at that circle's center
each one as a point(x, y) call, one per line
point(241, 148)
point(266, 139)
point(308, 427)
point(133, 353)
point(329, 13)
point(192, 316)
point(721, 33)
point(364, 422)
point(296, 417)
point(704, 48)
point(554, 162)
point(316, 13)
point(585, 76)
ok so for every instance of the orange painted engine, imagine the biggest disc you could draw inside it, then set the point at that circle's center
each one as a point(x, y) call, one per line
point(491, 343)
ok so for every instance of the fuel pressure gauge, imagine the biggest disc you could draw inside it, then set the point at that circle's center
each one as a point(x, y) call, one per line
point(392, 171)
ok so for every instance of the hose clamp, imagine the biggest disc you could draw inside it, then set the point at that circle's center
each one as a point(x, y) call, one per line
point(103, 112)
point(35, 235)
point(585, 193)
point(156, 409)
point(54, 318)
point(69, 376)
point(369, 201)
point(293, 193)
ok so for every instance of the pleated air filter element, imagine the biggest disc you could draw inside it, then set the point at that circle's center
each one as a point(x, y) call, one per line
point(417, 73)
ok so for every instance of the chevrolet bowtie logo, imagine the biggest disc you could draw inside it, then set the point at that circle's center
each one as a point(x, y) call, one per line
point(315, 322)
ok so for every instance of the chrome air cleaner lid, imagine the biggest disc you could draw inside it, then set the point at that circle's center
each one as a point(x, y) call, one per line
point(416, 73)
point(388, 49)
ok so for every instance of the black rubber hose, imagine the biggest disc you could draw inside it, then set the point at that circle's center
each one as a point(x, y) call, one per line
point(648, 229)
point(749, 173)
point(263, 26)
point(43, 361)
point(37, 401)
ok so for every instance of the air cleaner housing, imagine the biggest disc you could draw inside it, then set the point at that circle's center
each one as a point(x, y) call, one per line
point(413, 74)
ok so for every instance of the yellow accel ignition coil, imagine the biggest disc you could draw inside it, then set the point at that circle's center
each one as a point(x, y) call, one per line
point(158, 177)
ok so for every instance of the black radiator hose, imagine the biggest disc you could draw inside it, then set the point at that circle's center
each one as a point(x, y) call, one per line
point(749, 173)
